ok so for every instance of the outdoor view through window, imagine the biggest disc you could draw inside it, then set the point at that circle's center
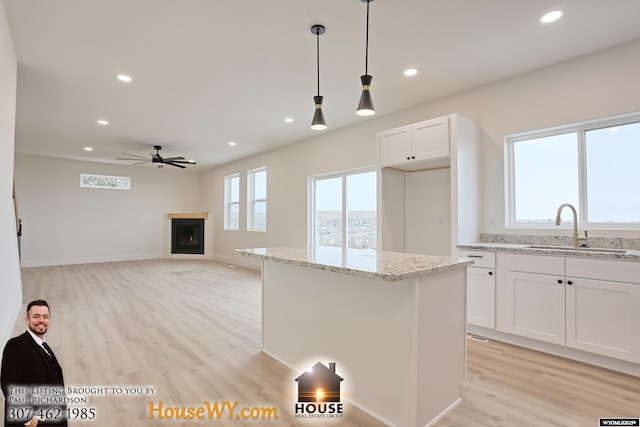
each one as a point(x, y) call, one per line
point(593, 167)
point(350, 199)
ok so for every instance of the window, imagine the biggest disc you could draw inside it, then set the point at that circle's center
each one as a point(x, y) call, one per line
point(232, 202)
point(343, 210)
point(593, 166)
point(257, 199)
point(105, 181)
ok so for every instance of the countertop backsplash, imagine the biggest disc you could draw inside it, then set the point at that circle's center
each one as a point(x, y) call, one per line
point(594, 242)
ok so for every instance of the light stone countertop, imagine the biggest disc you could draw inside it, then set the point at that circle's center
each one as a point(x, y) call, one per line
point(602, 253)
point(368, 263)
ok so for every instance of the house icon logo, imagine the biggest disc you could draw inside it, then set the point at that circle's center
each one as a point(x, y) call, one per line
point(319, 392)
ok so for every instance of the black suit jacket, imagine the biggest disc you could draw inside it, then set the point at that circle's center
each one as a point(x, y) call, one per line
point(25, 363)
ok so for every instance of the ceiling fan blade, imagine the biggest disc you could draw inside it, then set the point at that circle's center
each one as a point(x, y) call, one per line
point(134, 155)
point(185, 162)
point(172, 159)
point(174, 164)
point(139, 163)
point(132, 159)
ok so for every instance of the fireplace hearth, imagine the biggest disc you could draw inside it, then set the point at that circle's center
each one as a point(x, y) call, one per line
point(187, 236)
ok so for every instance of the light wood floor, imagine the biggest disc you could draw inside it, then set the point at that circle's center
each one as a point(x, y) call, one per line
point(191, 329)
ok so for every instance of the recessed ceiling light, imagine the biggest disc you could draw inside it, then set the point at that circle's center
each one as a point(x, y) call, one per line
point(552, 16)
point(103, 122)
point(410, 72)
point(288, 120)
point(124, 78)
point(88, 149)
point(233, 144)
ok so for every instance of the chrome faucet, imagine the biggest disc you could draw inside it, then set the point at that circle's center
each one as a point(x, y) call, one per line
point(576, 238)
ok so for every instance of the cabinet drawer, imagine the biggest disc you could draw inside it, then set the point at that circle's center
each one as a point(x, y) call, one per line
point(485, 259)
point(481, 297)
point(536, 264)
point(601, 269)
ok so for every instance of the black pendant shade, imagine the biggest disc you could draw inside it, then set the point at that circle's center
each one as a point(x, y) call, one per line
point(318, 122)
point(365, 106)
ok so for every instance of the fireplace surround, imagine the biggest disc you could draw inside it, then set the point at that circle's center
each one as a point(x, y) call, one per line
point(187, 236)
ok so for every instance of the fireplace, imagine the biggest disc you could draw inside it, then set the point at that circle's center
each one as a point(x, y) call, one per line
point(187, 236)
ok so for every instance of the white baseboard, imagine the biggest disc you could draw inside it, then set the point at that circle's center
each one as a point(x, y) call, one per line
point(445, 412)
point(88, 260)
point(558, 350)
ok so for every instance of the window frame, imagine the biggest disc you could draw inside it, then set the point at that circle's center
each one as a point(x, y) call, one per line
point(311, 216)
point(125, 179)
point(252, 200)
point(580, 129)
point(228, 203)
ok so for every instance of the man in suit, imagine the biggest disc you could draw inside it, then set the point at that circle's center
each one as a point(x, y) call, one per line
point(31, 376)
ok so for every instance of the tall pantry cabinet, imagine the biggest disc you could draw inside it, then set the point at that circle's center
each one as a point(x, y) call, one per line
point(429, 186)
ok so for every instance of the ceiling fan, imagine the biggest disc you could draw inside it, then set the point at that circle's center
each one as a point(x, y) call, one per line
point(157, 158)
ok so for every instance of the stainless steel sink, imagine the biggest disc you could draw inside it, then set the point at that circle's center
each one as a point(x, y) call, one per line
point(578, 249)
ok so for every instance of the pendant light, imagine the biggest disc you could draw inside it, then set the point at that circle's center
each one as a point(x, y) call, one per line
point(318, 122)
point(365, 106)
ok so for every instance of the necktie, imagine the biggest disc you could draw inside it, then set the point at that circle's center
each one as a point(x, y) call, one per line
point(57, 370)
point(46, 347)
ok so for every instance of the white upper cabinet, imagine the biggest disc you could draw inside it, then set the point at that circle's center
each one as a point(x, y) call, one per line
point(430, 186)
point(395, 145)
point(430, 139)
point(413, 145)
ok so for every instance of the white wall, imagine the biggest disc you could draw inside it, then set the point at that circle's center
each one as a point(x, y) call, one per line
point(66, 224)
point(287, 171)
point(11, 284)
point(600, 85)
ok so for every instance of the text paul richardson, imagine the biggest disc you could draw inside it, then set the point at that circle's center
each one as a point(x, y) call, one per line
point(215, 410)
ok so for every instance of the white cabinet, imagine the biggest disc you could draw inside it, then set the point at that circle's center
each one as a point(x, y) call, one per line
point(534, 297)
point(603, 316)
point(536, 308)
point(481, 296)
point(582, 303)
point(429, 204)
point(414, 144)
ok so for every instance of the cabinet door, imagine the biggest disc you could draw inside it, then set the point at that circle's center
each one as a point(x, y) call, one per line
point(481, 297)
point(604, 318)
point(430, 139)
point(395, 146)
point(536, 306)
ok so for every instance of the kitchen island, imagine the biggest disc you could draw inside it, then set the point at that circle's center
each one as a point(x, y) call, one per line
point(393, 324)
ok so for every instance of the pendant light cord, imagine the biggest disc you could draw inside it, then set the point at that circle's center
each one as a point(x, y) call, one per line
point(366, 55)
point(318, 58)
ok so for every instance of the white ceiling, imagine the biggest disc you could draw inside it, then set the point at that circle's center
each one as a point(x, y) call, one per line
point(207, 72)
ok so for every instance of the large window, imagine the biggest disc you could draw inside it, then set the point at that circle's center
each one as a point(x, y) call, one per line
point(593, 166)
point(232, 202)
point(343, 210)
point(257, 199)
